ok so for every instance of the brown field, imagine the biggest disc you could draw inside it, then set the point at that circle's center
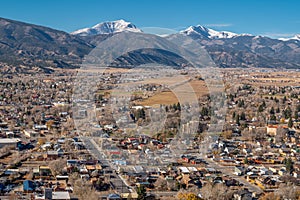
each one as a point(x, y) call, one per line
point(163, 98)
point(274, 78)
point(187, 92)
point(179, 88)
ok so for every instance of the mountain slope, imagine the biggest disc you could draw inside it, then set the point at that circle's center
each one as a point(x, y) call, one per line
point(32, 45)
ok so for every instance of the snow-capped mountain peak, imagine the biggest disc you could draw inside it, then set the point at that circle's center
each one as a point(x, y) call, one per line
point(296, 37)
point(107, 27)
point(209, 33)
point(196, 30)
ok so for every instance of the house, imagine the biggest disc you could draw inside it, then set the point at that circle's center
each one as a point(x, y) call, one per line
point(72, 163)
point(44, 171)
point(78, 145)
point(282, 171)
point(273, 169)
point(198, 161)
point(9, 142)
point(229, 150)
point(29, 186)
point(54, 195)
point(30, 133)
point(192, 169)
point(37, 127)
point(272, 130)
point(46, 146)
point(51, 155)
point(296, 174)
point(113, 197)
point(184, 170)
point(109, 127)
point(231, 182)
point(130, 195)
point(239, 170)
point(265, 171)
point(243, 195)
point(187, 158)
point(266, 182)
point(10, 134)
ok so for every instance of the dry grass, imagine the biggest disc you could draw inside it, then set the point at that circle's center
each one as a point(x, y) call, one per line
point(274, 79)
point(184, 93)
point(164, 98)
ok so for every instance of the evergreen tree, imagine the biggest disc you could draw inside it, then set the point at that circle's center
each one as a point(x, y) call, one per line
point(296, 115)
point(237, 119)
point(261, 108)
point(272, 112)
point(175, 106)
point(264, 104)
point(290, 123)
point(287, 113)
point(233, 115)
point(231, 97)
point(141, 191)
point(178, 106)
point(243, 116)
point(273, 118)
point(204, 111)
point(288, 165)
point(278, 110)
point(284, 100)
point(140, 114)
point(246, 161)
point(241, 103)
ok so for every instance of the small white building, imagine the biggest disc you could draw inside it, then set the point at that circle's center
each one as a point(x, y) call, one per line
point(9, 142)
point(184, 170)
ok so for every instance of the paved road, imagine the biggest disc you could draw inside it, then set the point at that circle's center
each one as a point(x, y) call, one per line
point(228, 170)
point(116, 181)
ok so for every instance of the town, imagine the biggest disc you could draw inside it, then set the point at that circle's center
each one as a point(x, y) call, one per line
point(47, 153)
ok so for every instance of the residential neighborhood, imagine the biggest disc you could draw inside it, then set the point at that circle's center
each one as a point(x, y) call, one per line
point(44, 156)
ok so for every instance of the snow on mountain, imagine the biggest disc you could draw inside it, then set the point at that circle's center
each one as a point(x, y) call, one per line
point(210, 33)
point(296, 37)
point(107, 27)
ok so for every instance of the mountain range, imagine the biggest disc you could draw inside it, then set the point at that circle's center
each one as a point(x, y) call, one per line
point(29, 48)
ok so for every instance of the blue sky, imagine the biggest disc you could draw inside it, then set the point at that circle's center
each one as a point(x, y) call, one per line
point(277, 18)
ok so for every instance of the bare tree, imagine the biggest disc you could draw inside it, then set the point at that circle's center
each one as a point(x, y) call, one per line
point(280, 135)
point(57, 166)
point(84, 189)
point(216, 192)
point(161, 184)
point(288, 191)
